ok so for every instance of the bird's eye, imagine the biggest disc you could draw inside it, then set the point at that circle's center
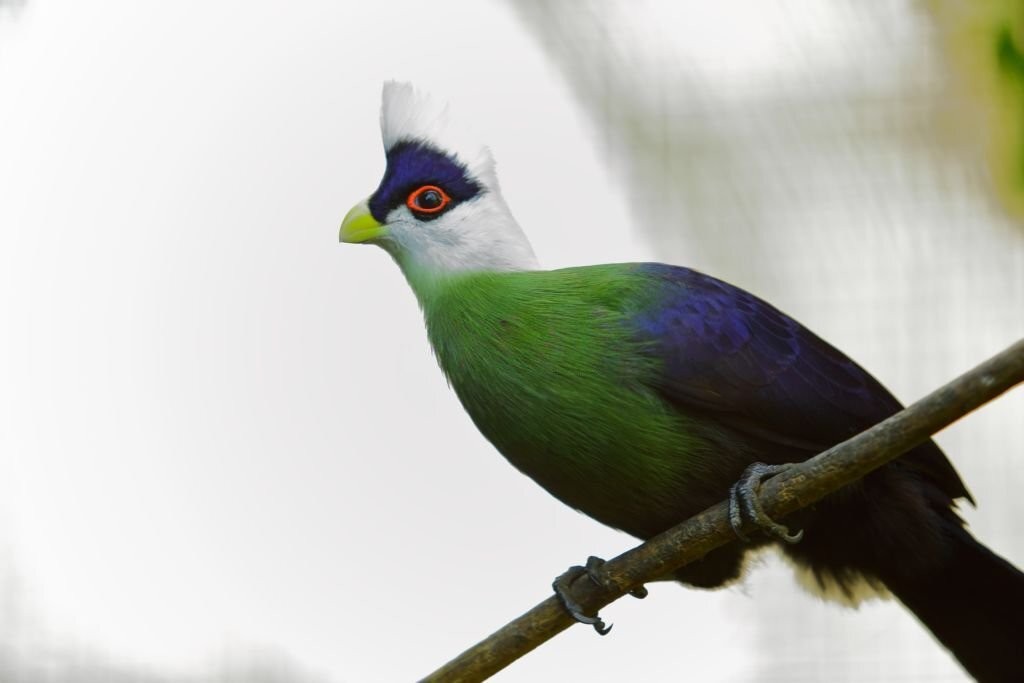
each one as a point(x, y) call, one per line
point(428, 200)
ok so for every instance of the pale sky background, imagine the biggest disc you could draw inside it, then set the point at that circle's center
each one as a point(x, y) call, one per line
point(226, 452)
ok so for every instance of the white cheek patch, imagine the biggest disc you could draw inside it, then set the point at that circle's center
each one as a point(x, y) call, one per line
point(479, 234)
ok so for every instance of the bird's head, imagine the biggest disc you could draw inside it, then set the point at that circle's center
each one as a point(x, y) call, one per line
point(438, 208)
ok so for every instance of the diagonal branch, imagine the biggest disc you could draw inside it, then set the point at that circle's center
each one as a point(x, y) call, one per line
point(796, 488)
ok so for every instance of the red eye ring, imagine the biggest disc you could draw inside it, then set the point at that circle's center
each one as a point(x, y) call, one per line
point(428, 200)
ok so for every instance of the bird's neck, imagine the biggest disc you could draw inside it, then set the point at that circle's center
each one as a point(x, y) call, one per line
point(429, 272)
point(430, 284)
point(483, 238)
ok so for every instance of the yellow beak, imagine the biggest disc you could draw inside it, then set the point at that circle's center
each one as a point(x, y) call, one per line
point(359, 225)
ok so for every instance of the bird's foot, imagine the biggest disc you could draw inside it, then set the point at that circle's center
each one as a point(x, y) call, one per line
point(563, 589)
point(744, 504)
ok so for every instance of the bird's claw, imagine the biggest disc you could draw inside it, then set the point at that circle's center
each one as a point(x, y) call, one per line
point(563, 589)
point(745, 504)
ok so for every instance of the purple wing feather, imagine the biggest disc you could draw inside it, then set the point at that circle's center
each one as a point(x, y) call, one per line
point(724, 350)
point(726, 354)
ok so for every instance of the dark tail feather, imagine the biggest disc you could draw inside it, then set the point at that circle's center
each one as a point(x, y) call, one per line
point(974, 605)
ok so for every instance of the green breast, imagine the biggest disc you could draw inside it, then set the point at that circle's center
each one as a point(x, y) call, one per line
point(545, 365)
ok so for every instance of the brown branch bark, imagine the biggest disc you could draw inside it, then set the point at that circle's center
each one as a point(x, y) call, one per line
point(798, 487)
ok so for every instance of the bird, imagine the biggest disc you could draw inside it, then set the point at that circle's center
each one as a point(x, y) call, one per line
point(641, 393)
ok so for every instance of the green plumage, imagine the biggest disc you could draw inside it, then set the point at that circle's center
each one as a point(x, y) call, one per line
point(549, 369)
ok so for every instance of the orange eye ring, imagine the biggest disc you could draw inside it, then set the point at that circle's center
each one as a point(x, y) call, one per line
point(428, 200)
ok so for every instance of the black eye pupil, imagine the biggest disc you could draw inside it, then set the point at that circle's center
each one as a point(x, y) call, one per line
point(431, 199)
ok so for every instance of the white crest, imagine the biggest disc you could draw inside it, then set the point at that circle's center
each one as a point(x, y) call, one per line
point(409, 115)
